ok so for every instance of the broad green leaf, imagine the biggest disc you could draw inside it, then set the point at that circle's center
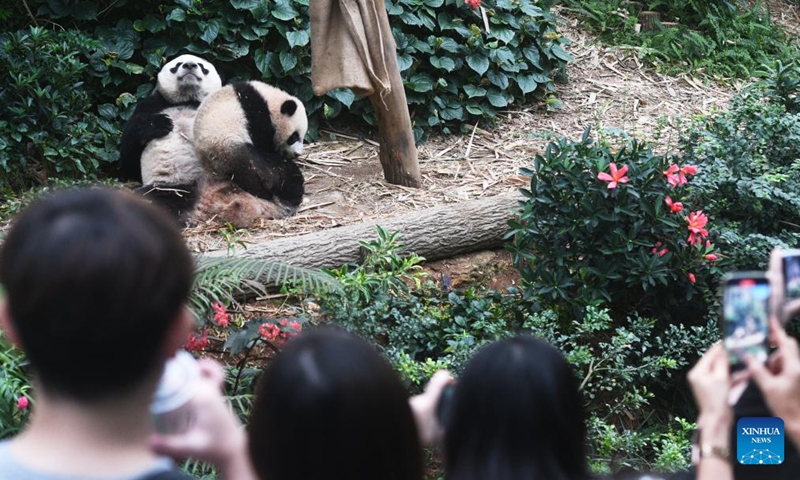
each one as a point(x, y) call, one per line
point(288, 61)
point(404, 62)
point(452, 113)
point(107, 110)
point(473, 91)
point(449, 44)
point(526, 83)
point(177, 15)
point(478, 62)
point(505, 35)
point(297, 38)
point(561, 54)
point(410, 18)
point(262, 60)
point(498, 78)
point(344, 95)
point(284, 10)
point(210, 31)
point(245, 4)
point(421, 83)
point(445, 63)
point(533, 56)
point(497, 98)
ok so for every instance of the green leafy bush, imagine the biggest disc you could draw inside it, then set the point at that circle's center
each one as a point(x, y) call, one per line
point(14, 385)
point(582, 239)
point(419, 327)
point(750, 158)
point(455, 72)
point(50, 124)
point(723, 39)
point(624, 369)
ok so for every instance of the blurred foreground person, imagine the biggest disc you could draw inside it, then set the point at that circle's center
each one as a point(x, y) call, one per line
point(95, 282)
point(516, 414)
point(330, 407)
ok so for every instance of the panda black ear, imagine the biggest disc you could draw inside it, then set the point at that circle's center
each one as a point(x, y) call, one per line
point(289, 107)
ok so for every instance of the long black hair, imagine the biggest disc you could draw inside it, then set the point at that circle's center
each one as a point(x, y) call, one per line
point(517, 414)
point(330, 407)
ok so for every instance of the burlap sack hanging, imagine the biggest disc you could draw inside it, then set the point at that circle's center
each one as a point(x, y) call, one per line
point(348, 47)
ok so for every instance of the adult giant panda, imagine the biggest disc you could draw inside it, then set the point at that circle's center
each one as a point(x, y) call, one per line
point(156, 146)
point(247, 135)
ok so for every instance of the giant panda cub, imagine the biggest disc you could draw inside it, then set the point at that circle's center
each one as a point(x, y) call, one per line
point(247, 135)
point(156, 146)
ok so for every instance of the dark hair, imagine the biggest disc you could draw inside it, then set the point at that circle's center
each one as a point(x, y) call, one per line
point(517, 414)
point(94, 278)
point(330, 407)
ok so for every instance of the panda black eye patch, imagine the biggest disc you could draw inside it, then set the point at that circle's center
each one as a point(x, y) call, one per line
point(203, 68)
point(176, 67)
point(294, 138)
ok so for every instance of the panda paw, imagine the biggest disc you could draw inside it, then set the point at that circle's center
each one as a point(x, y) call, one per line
point(158, 126)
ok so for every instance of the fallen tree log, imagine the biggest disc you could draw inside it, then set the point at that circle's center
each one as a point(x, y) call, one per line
point(439, 232)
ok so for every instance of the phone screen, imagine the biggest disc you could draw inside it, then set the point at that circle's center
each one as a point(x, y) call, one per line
point(746, 313)
point(791, 273)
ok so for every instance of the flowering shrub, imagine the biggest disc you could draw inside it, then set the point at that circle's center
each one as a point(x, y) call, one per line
point(602, 225)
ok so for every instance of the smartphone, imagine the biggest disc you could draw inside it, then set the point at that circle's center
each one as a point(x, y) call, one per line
point(745, 314)
point(791, 273)
point(445, 406)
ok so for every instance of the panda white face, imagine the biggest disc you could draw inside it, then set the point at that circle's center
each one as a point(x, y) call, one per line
point(188, 79)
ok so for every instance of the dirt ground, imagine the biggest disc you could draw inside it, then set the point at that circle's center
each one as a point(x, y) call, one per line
point(609, 89)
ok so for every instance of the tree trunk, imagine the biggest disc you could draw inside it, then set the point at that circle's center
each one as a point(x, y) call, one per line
point(398, 153)
point(648, 19)
point(439, 232)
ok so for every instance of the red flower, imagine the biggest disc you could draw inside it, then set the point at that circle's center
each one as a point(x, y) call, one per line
point(269, 331)
point(711, 257)
point(689, 170)
point(474, 4)
point(674, 207)
point(662, 253)
point(220, 314)
point(697, 222)
point(616, 177)
point(284, 322)
point(675, 176)
point(691, 278)
point(295, 326)
point(195, 343)
point(22, 402)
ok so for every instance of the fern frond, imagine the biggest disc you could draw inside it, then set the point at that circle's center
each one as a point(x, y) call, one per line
point(220, 278)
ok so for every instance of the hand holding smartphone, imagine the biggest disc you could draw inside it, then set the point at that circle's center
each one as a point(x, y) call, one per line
point(791, 273)
point(745, 315)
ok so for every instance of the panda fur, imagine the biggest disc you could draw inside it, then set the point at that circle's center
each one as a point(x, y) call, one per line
point(156, 146)
point(247, 135)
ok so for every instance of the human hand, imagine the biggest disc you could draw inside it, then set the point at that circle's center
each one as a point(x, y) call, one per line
point(710, 381)
point(216, 436)
point(779, 379)
point(424, 407)
point(778, 305)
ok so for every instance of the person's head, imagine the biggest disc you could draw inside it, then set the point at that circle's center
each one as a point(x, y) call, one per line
point(516, 414)
point(95, 283)
point(329, 406)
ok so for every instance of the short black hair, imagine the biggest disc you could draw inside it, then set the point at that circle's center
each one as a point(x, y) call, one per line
point(94, 278)
point(330, 407)
point(516, 414)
